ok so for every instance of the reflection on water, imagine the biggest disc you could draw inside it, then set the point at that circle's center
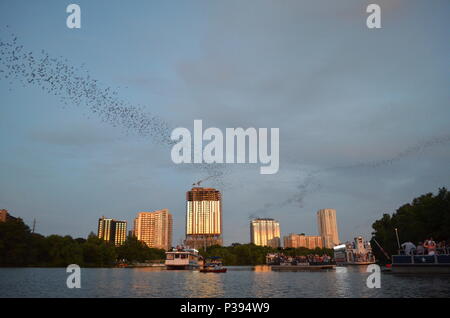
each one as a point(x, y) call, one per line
point(239, 281)
point(262, 268)
point(204, 284)
point(359, 268)
point(342, 281)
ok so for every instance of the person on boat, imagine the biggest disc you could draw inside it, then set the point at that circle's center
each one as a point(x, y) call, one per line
point(430, 245)
point(440, 249)
point(409, 248)
point(420, 250)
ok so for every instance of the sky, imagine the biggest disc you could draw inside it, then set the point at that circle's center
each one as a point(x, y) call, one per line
point(363, 113)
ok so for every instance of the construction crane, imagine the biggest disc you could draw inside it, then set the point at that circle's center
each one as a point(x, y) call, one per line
point(197, 184)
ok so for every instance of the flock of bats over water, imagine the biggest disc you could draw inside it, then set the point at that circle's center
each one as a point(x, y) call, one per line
point(73, 85)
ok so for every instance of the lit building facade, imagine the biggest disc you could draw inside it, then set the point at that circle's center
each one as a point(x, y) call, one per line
point(203, 217)
point(3, 215)
point(154, 228)
point(120, 235)
point(302, 240)
point(111, 230)
point(327, 224)
point(265, 232)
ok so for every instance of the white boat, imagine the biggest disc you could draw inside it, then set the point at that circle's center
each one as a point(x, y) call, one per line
point(182, 258)
point(358, 252)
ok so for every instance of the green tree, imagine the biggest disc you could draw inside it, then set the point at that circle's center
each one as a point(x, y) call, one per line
point(136, 251)
point(426, 216)
point(62, 251)
point(15, 243)
point(97, 252)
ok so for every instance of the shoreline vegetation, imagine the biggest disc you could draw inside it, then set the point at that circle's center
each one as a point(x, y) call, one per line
point(21, 248)
point(427, 215)
point(250, 254)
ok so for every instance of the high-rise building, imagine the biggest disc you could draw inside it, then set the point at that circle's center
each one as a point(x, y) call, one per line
point(302, 240)
point(154, 228)
point(265, 232)
point(111, 230)
point(203, 217)
point(3, 215)
point(327, 224)
point(120, 234)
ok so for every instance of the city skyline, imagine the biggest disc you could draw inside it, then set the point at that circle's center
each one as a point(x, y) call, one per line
point(362, 128)
point(204, 218)
point(203, 226)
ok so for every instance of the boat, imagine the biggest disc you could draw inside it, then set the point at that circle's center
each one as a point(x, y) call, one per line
point(144, 265)
point(279, 262)
point(358, 252)
point(182, 258)
point(303, 267)
point(429, 264)
point(213, 266)
point(215, 269)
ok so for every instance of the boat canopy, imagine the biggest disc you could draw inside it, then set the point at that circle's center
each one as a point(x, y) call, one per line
point(338, 247)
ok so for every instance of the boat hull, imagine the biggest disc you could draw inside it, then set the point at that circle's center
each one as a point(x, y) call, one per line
point(205, 270)
point(181, 267)
point(295, 268)
point(355, 263)
point(418, 268)
point(421, 263)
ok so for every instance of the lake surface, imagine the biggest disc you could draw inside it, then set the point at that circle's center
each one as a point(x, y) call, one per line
point(246, 281)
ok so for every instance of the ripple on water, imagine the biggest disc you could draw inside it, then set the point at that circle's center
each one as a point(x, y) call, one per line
point(237, 282)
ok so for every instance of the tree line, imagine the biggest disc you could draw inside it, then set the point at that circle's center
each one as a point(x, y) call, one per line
point(250, 254)
point(20, 247)
point(426, 216)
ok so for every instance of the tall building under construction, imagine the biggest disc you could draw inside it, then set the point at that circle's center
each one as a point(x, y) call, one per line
point(203, 217)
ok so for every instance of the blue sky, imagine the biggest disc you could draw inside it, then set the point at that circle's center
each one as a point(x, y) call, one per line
point(340, 93)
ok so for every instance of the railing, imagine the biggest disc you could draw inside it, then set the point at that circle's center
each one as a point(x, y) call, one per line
point(421, 259)
point(438, 251)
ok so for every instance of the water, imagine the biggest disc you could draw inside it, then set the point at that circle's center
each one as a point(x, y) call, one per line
point(246, 281)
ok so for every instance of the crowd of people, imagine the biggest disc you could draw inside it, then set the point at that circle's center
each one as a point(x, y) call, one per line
point(312, 259)
point(428, 247)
